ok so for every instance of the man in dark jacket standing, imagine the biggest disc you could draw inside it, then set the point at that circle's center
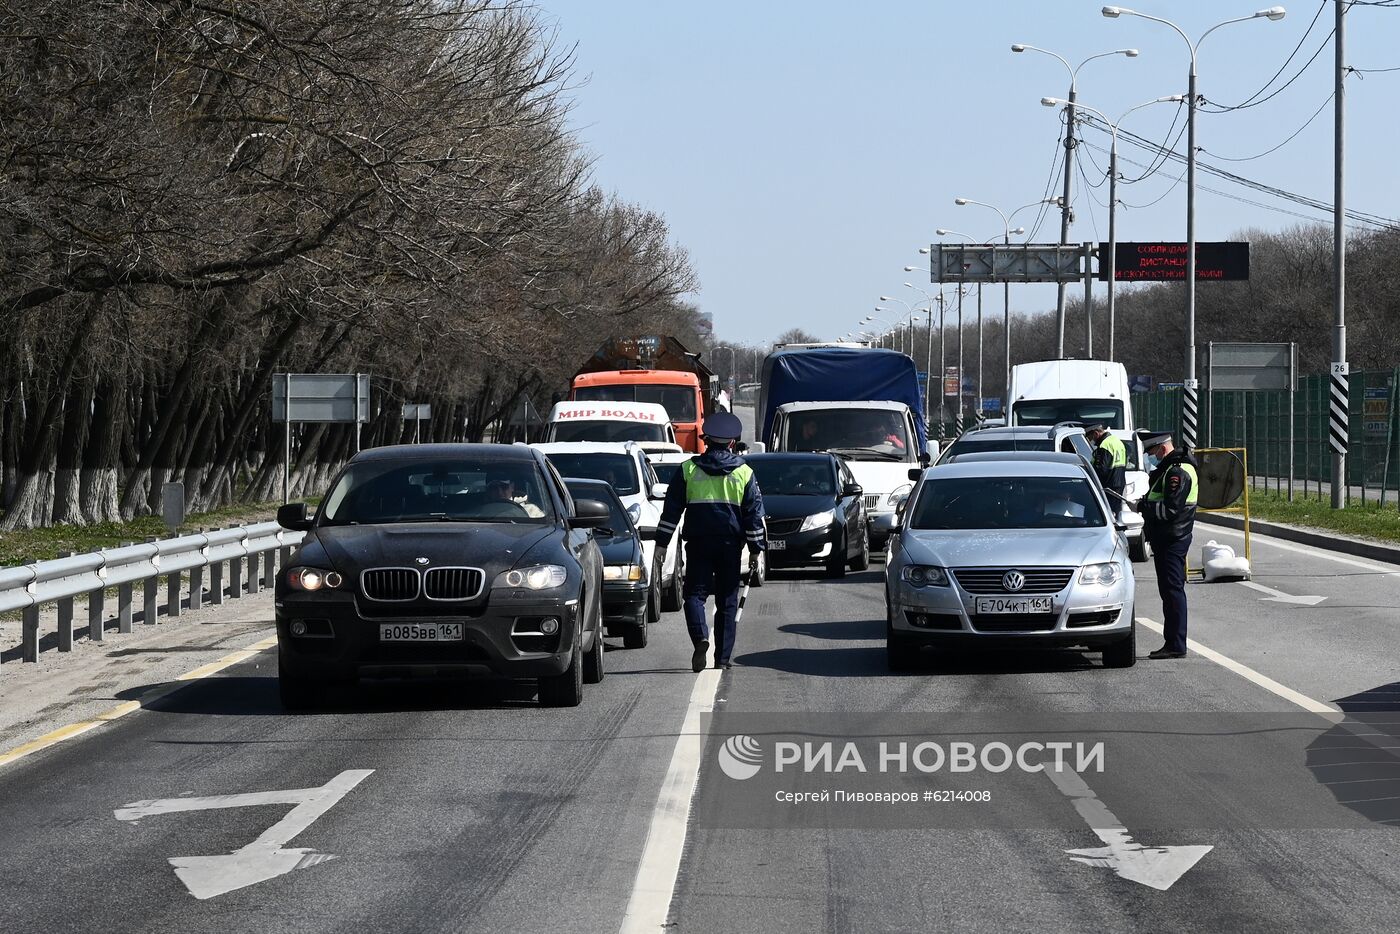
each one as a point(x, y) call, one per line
point(1169, 514)
point(723, 512)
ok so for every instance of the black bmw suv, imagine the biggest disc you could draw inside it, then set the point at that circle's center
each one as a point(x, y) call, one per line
point(443, 560)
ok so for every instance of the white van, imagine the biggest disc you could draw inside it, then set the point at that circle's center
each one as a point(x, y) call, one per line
point(643, 422)
point(1083, 391)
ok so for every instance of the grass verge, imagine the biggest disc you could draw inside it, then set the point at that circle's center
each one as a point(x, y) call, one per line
point(1369, 521)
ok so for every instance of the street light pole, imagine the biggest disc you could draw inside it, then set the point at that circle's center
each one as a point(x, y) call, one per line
point(1339, 253)
point(1189, 395)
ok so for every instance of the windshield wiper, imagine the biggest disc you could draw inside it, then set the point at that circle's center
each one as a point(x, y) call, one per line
point(887, 455)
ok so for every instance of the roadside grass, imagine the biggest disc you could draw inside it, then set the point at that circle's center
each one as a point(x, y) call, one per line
point(1370, 520)
point(28, 545)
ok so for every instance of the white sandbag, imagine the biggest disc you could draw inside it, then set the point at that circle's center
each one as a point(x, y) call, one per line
point(1219, 562)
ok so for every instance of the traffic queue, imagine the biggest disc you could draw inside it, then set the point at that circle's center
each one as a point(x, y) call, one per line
point(508, 562)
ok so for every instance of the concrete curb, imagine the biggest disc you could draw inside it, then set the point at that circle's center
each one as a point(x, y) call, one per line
point(1326, 540)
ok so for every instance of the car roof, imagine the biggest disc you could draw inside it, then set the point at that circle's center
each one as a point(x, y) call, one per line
point(586, 447)
point(1069, 467)
point(790, 456)
point(978, 457)
point(512, 453)
point(669, 457)
point(1018, 431)
point(812, 406)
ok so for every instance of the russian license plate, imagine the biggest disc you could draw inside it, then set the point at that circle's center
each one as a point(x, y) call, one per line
point(995, 606)
point(777, 544)
point(420, 632)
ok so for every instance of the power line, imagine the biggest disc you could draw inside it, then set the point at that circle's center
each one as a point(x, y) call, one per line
point(1291, 137)
point(1371, 71)
point(1277, 91)
point(1291, 55)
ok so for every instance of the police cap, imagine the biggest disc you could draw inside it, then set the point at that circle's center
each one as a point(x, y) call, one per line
point(1151, 441)
point(723, 426)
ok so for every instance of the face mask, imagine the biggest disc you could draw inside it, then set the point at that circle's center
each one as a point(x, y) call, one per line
point(1152, 462)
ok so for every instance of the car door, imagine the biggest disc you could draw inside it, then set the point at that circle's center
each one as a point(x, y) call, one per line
point(580, 544)
point(851, 506)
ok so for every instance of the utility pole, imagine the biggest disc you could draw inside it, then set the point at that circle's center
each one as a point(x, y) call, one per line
point(1341, 376)
point(1188, 395)
point(1065, 216)
point(958, 418)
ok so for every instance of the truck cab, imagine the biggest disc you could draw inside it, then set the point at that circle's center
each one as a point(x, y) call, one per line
point(678, 392)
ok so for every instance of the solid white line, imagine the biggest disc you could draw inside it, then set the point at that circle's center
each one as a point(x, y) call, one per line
point(1310, 550)
point(1244, 671)
point(655, 883)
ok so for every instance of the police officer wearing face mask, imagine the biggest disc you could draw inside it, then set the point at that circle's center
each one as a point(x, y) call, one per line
point(1169, 514)
point(1110, 463)
point(723, 509)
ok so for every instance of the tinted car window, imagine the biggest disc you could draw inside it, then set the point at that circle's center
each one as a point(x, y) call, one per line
point(667, 473)
point(679, 401)
point(985, 445)
point(465, 489)
point(794, 476)
point(609, 431)
point(1108, 412)
point(617, 515)
point(1007, 503)
point(617, 470)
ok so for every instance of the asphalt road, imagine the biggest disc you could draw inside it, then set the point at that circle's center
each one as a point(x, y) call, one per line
point(483, 812)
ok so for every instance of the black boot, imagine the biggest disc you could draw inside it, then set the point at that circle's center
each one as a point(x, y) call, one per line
point(697, 660)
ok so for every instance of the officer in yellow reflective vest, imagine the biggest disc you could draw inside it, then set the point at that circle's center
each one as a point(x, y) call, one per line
point(1110, 463)
point(1169, 513)
point(723, 512)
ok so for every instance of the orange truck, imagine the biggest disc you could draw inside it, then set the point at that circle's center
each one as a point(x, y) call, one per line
point(652, 369)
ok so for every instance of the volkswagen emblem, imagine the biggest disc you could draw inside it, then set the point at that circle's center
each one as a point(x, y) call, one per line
point(1013, 581)
point(421, 561)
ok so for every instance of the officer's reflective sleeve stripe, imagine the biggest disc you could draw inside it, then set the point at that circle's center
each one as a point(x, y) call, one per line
point(667, 527)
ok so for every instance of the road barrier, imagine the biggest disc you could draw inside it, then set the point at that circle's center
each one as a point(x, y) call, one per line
point(31, 586)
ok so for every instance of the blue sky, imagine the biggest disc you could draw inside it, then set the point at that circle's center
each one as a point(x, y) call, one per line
point(802, 152)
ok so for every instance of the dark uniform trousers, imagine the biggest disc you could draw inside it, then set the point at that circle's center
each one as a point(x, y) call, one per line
point(1169, 558)
point(712, 569)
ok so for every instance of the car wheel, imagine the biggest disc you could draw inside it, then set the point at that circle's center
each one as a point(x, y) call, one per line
point(1123, 653)
point(760, 577)
point(836, 565)
point(901, 653)
point(1138, 549)
point(673, 596)
point(636, 635)
point(594, 669)
point(565, 689)
point(653, 608)
point(862, 561)
point(298, 693)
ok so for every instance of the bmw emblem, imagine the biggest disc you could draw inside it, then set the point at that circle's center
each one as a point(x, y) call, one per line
point(421, 561)
point(1013, 581)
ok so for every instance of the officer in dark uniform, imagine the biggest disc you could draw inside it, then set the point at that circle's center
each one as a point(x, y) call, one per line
point(1169, 513)
point(1110, 463)
point(723, 512)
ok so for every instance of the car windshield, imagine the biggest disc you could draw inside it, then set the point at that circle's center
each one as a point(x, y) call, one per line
point(679, 401)
point(617, 515)
point(858, 434)
point(607, 431)
point(1107, 412)
point(617, 470)
point(1006, 503)
point(439, 490)
point(794, 476)
point(972, 445)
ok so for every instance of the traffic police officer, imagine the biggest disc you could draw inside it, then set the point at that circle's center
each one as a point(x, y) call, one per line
point(723, 512)
point(1169, 512)
point(1110, 463)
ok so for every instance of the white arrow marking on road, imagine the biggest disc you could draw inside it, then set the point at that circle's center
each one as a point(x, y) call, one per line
point(264, 858)
point(1278, 596)
point(1157, 867)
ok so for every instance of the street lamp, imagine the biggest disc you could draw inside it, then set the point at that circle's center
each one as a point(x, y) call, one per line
point(1066, 213)
point(871, 319)
point(1273, 13)
point(909, 314)
point(1112, 204)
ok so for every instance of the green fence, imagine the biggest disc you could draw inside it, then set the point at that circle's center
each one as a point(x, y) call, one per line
point(1258, 422)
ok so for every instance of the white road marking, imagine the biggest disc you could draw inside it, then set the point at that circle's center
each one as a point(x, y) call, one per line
point(264, 858)
point(1158, 867)
point(1278, 596)
point(655, 883)
point(1244, 671)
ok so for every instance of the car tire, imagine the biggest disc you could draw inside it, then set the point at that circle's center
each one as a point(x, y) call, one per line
point(673, 595)
point(299, 694)
point(636, 636)
point(761, 577)
point(1138, 549)
point(594, 664)
point(901, 653)
point(836, 565)
point(861, 561)
point(1123, 653)
point(564, 689)
point(653, 608)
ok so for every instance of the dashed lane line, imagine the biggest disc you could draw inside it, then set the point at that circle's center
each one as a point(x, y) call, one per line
point(72, 730)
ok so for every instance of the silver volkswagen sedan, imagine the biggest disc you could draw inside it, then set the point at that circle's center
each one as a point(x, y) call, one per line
point(1020, 552)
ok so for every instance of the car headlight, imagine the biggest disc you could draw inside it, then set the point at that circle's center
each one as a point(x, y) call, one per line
point(622, 572)
point(818, 520)
point(923, 575)
point(313, 579)
point(635, 511)
point(1099, 574)
point(539, 577)
point(898, 492)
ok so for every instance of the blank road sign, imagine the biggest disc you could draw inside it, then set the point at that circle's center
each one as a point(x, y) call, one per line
point(321, 397)
point(1251, 367)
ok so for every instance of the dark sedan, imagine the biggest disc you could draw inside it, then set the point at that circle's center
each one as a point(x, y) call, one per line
point(815, 514)
point(631, 596)
point(443, 560)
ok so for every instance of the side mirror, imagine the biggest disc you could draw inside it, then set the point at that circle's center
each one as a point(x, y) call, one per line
point(658, 490)
point(589, 514)
point(1121, 526)
point(852, 489)
point(292, 516)
point(647, 535)
point(758, 447)
point(931, 450)
point(915, 473)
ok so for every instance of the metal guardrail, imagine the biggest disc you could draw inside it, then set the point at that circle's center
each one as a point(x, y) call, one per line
point(31, 586)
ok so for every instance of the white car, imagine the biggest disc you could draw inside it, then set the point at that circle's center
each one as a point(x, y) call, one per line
point(625, 467)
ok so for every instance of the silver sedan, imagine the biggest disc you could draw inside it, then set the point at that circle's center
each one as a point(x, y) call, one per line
point(1020, 552)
